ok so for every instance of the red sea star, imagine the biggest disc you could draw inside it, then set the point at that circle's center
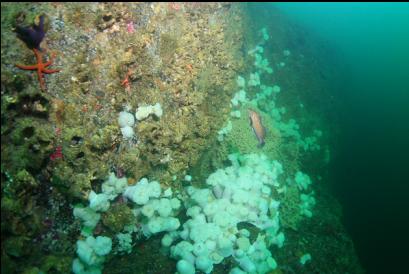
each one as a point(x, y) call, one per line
point(40, 67)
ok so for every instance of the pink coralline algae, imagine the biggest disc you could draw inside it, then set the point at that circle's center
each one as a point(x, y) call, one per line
point(130, 27)
point(175, 6)
point(57, 154)
point(58, 131)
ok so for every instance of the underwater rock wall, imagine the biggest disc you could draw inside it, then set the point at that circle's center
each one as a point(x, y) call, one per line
point(60, 143)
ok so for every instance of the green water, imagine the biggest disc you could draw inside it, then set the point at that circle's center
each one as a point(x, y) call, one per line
point(371, 170)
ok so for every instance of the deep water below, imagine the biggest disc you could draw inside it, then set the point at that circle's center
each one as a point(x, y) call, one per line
point(370, 167)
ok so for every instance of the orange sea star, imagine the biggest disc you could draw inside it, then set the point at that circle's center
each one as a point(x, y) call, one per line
point(40, 67)
point(126, 82)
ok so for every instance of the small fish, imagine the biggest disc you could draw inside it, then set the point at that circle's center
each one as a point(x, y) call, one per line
point(257, 126)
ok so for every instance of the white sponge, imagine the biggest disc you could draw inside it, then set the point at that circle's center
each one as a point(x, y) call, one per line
point(88, 216)
point(126, 122)
point(127, 132)
point(114, 186)
point(144, 111)
point(142, 191)
point(126, 119)
point(159, 224)
point(91, 254)
point(98, 202)
point(204, 264)
point(184, 267)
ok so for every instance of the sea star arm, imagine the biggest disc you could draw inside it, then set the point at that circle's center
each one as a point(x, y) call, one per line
point(33, 67)
point(40, 79)
point(38, 56)
point(49, 62)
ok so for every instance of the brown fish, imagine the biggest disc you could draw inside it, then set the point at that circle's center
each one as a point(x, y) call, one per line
point(257, 126)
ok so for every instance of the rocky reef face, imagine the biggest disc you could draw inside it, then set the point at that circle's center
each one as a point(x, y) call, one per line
point(58, 143)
